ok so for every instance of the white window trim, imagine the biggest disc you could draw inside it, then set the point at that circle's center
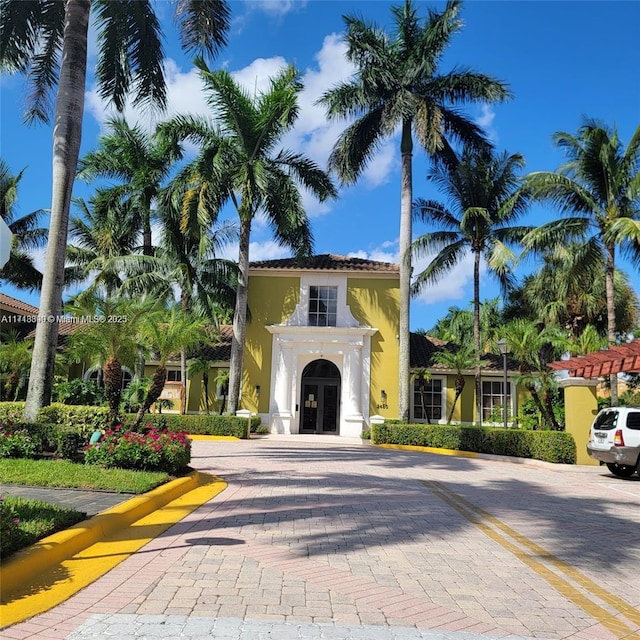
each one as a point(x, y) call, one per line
point(512, 398)
point(300, 316)
point(443, 401)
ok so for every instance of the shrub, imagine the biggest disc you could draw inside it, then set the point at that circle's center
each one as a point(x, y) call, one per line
point(12, 411)
point(78, 392)
point(10, 534)
point(16, 441)
point(551, 446)
point(151, 451)
point(79, 419)
point(211, 425)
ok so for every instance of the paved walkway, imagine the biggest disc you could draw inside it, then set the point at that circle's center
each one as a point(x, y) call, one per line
point(321, 540)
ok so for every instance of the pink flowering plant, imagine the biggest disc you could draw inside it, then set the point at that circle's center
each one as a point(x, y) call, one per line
point(16, 441)
point(154, 450)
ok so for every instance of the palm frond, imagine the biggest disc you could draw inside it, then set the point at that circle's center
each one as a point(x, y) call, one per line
point(449, 256)
point(356, 146)
point(203, 25)
point(131, 53)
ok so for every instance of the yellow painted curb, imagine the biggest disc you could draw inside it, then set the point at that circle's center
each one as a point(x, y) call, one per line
point(442, 452)
point(30, 564)
point(56, 582)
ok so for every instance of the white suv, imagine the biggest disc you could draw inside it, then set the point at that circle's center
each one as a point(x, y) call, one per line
point(615, 440)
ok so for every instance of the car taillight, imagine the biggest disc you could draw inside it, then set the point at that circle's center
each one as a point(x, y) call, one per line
point(618, 440)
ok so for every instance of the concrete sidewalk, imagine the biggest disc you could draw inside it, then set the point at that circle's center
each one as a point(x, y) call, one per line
point(322, 540)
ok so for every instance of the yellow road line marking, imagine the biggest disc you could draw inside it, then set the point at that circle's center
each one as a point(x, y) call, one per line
point(584, 581)
point(475, 515)
point(69, 576)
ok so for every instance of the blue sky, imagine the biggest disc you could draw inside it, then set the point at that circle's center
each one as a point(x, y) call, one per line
point(562, 60)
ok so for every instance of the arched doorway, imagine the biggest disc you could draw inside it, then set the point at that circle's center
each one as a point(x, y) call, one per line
point(320, 401)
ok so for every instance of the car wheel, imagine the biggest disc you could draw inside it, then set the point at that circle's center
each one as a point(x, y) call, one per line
point(621, 470)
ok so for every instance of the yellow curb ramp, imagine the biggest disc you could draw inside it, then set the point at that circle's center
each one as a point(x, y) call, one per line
point(47, 573)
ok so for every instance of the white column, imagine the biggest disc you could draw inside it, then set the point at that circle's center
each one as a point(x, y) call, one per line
point(352, 419)
point(281, 410)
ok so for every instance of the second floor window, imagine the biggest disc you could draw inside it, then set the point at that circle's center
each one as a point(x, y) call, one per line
point(323, 306)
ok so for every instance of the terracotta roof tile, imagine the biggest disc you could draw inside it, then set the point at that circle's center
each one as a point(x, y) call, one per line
point(7, 303)
point(422, 349)
point(219, 351)
point(327, 262)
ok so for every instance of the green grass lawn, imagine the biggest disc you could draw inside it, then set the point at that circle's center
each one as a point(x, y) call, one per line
point(71, 475)
point(39, 519)
point(36, 520)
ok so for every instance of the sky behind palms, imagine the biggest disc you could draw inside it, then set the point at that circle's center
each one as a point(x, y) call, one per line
point(562, 60)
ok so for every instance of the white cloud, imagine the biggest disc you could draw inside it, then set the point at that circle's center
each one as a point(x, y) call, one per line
point(313, 134)
point(455, 286)
point(485, 120)
point(275, 8)
point(268, 250)
point(256, 76)
point(184, 95)
point(379, 170)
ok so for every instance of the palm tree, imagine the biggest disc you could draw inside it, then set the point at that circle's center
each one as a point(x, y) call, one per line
point(140, 161)
point(535, 345)
point(166, 334)
point(101, 237)
point(457, 358)
point(569, 290)
point(27, 235)
point(598, 192)
point(457, 325)
point(202, 365)
point(397, 84)
point(240, 163)
point(186, 259)
point(482, 188)
point(47, 41)
point(15, 358)
point(109, 337)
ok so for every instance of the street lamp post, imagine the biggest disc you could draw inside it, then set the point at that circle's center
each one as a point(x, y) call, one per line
point(502, 345)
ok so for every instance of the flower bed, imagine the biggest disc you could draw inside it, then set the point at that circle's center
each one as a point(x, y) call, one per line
point(153, 450)
point(16, 441)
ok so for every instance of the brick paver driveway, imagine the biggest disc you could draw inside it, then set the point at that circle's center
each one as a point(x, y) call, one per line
point(312, 538)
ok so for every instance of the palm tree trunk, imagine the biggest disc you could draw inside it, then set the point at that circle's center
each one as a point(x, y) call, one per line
point(113, 387)
point(205, 384)
point(67, 133)
point(155, 390)
point(476, 334)
point(611, 315)
point(406, 203)
point(239, 318)
point(459, 388)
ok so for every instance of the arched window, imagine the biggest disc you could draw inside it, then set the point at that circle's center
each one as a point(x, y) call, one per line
point(95, 375)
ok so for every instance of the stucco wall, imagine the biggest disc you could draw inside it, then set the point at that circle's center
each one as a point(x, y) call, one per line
point(272, 299)
point(376, 303)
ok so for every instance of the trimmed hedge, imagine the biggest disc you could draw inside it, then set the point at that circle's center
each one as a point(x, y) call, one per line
point(84, 420)
point(550, 446)
point(201, 425)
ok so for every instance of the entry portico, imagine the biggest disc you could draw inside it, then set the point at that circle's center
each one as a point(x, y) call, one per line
point(323, 344)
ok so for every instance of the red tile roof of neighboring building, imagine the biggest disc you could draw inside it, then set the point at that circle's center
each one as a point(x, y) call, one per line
point(422, 348)
point(327, 262)
point(219, 351)
point(17, 306)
